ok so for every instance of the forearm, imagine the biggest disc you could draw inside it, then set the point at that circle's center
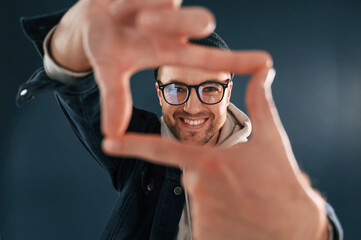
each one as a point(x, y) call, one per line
point(324, 233)
point(326, 214)
point(54, 70)
point(66, 44)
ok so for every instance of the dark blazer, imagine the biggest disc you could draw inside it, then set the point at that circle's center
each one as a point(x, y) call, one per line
point(148, 207)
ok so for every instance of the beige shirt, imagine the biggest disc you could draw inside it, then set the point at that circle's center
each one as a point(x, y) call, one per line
point(236, 130)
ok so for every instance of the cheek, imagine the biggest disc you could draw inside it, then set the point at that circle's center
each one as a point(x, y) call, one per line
point(221, 112)
point(168, 111)
point(222, 107)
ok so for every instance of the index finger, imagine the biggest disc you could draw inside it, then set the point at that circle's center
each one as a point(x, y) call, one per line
point(156, 149)
point(121, 8)
point(215, 59)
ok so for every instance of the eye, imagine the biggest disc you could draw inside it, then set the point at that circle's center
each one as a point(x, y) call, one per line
point(210, 89)
point(179, 88)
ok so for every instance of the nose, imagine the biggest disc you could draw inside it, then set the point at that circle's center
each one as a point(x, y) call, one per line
point(193, 105)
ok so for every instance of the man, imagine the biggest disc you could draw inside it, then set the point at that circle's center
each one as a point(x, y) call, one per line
point(117, 38)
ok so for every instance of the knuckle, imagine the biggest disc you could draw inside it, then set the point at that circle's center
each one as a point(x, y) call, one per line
point(205, 23)
point(176, 3)
point(267, 59)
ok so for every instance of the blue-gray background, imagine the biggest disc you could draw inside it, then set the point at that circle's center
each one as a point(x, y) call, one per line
point(52, 189)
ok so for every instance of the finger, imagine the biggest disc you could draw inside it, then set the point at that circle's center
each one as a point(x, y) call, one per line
point(116, 97)
point(112, 79)
point(267, 125)
point(122, 8)
point(155, 149)
point(214, 59)
point(260, 104)
point(191, 22)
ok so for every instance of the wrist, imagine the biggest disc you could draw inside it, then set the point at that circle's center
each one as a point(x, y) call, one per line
point(66, 43)
point(322, 227)
point(324, 230)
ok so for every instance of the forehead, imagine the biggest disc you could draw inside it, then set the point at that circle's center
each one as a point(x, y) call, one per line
point(189, 75)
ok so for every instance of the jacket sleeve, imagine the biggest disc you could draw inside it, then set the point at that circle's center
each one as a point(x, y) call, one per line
point(81, 106)
point(337, 231)
point(80, 103)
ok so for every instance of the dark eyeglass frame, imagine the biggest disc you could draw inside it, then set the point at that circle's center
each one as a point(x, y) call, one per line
point(196, 87)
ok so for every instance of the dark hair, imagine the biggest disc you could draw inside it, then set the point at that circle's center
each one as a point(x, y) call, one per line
point(213, 40)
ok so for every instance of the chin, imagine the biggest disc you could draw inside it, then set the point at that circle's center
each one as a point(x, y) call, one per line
point(193, 142)
point(197, 138)
point(193, 139)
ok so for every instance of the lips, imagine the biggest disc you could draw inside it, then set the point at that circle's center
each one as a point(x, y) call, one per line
point(193, 124)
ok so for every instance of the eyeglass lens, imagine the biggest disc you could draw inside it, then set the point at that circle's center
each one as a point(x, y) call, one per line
point(208, 92)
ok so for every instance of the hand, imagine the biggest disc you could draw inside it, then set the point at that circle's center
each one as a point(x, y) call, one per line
point(252, 191)
point(119, 38)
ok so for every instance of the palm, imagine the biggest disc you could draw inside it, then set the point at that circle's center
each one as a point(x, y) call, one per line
point(126, 46)
point(254, 169)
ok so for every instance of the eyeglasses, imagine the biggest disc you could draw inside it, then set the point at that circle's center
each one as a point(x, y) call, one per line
point(210, 92)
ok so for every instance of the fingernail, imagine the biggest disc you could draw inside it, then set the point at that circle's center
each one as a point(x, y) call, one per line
point(150, 18)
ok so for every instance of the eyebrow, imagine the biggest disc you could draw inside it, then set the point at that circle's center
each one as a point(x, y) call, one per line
point(177, 81)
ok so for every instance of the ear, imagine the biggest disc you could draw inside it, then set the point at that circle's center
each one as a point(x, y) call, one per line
point(229, 91)
point(159, 94)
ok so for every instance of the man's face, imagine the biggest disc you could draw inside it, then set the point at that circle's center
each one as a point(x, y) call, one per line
point(194, 122)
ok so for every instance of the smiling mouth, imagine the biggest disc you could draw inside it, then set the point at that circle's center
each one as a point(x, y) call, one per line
point(193, 122)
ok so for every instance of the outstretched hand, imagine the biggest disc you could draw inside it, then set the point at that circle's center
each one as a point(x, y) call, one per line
point(125, 36)
point(254, 190)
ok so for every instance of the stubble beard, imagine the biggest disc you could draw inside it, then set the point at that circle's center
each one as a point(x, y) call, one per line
point(196, 138)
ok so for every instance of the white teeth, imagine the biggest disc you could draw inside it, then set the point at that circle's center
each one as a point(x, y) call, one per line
point(194, 123)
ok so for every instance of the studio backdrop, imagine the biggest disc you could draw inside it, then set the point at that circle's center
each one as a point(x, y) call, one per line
point(51, 188)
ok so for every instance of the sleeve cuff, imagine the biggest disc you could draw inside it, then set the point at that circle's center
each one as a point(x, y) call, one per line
point(335, 228)
point(56, 72)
